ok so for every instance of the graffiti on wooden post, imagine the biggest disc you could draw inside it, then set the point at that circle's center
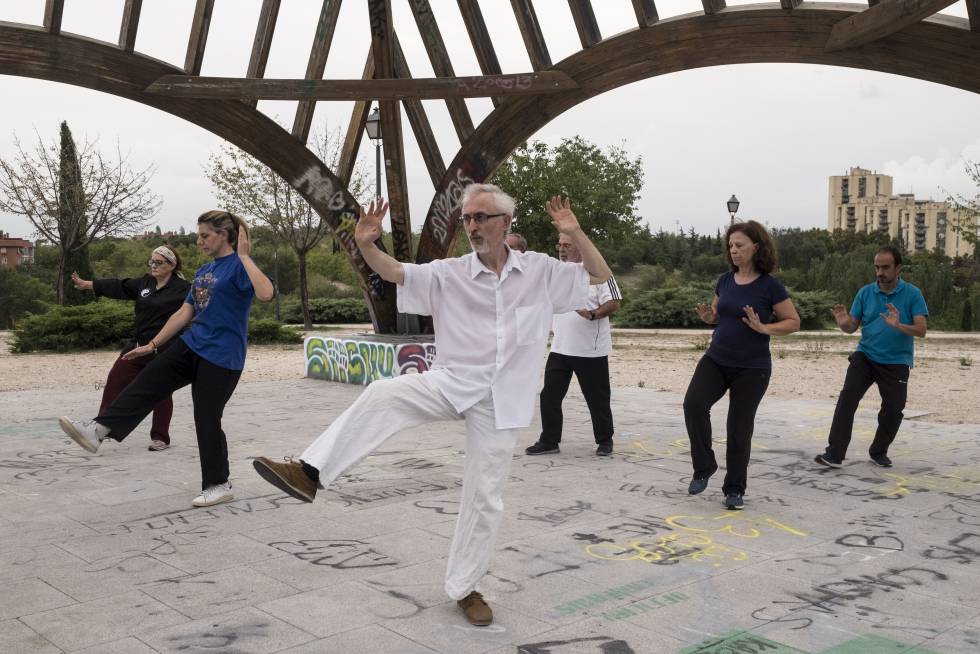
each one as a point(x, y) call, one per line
point(360, 361)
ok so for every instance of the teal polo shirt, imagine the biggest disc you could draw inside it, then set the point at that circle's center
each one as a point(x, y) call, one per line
point(879, 342)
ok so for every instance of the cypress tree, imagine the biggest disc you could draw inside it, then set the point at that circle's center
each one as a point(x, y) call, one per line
point(72, 223)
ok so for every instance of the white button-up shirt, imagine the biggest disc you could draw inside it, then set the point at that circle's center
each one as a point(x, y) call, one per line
point(491, 332)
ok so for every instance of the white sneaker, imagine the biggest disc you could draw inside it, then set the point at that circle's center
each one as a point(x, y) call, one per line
point(89, 434)
point(156, 445)
point(214, 495)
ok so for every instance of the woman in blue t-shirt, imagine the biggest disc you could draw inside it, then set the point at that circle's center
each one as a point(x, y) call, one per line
point(749, 306)
point(209, 356)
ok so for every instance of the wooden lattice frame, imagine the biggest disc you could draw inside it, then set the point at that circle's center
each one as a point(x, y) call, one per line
point(903, 37)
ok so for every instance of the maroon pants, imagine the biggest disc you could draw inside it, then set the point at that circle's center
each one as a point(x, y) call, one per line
point(122, 373)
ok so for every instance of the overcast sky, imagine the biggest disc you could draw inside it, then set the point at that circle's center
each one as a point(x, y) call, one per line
point(770, 133)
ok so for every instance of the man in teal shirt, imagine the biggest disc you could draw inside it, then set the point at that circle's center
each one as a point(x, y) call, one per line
point(890, 313)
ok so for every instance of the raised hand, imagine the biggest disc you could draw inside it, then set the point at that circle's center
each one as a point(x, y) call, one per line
point(244, 243)
point(79, 283)
point(707, 313)
point(841, 317)
point(560, 210)
point(752, 320)
point(891, 317)
point(368, 228)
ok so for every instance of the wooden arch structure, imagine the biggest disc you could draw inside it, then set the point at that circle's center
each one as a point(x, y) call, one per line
point(903, 37)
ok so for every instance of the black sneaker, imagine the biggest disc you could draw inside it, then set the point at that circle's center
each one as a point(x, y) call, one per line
point(882, 460)
point(829, 461)
point(605, 448)
point(697, 486)
point(733, 502)
point(542, 448)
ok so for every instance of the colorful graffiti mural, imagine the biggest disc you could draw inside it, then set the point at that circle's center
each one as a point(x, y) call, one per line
point(359, 361)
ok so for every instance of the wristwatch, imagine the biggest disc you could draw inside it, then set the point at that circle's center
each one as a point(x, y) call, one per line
point(591, 315)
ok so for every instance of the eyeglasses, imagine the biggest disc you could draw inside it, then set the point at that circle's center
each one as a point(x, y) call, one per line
point(479, 218)
point(155, 263)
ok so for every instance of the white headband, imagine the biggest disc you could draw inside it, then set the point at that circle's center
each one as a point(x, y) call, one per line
point(167, 254)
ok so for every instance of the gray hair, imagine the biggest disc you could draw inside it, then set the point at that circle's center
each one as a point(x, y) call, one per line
point(521, 241)
point(503, 202)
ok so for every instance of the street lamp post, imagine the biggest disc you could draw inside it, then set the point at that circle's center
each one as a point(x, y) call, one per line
point(733, 206)
point(373, 127)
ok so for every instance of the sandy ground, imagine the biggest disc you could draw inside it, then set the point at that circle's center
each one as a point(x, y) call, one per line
point(810, 365)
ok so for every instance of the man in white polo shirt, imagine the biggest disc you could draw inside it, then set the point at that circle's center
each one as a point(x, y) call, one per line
point(491, 310)
point(581, 345)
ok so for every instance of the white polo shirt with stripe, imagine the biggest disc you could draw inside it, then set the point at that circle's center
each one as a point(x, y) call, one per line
point(576, 336)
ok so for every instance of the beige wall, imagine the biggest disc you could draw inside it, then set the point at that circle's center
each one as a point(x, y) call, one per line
point(862, 201)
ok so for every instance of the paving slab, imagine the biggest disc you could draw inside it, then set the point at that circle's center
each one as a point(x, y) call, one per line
point(104, 553)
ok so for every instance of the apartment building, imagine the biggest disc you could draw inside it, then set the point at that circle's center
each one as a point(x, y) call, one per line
point(15, 251)
point(863, 201)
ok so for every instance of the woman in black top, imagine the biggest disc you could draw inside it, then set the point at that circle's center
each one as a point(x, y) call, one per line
point(749, 306)
point(157, 295)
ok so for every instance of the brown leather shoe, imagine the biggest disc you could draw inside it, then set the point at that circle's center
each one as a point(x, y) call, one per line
point(476, 610)
point(287, 476)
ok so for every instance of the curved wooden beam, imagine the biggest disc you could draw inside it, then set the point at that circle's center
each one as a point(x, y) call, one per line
point(29, 51)
point(941, 50)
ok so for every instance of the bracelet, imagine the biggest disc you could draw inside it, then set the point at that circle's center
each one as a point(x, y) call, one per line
point(153, 343)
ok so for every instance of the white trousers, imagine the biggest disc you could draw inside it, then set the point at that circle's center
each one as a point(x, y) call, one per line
point(389, 406)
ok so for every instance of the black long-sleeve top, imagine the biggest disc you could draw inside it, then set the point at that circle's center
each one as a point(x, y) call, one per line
point(153, 306)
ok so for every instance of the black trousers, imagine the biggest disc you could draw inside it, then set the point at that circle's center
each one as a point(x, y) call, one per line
point(745, 387)
point(593, 376)
point(211, 388)
point(893, 384)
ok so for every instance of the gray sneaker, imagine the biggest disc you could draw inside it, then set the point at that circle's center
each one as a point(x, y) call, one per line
point(214, 495)
point(89, 434)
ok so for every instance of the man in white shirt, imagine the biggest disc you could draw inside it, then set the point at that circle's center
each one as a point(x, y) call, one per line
point(581, 345)
point(516, 242)
point(491, 311)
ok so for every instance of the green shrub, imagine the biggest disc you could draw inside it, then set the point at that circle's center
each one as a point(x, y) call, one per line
point(664, 307)
point(103, 324)
point(22, 294)
point(814, 308)
point(271, 331)
point(109, 324)
point(328, 310)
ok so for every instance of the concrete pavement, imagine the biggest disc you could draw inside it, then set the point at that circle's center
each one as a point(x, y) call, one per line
point(103, 553)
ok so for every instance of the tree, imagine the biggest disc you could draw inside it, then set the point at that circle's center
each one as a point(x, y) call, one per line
point(73, 196)
point(245, 185)
point(603, 187)
point(966, 218)
point(71, 217)
point(21, 294)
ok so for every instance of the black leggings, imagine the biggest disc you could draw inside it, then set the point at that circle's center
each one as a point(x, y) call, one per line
point(211, 388)
point(745, 387)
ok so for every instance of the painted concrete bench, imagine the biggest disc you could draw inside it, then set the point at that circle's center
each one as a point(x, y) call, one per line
point(364, 358)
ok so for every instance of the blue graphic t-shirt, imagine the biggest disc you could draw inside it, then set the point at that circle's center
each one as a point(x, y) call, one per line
point(221, 295)
point(734, 343)
point(880, 342)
